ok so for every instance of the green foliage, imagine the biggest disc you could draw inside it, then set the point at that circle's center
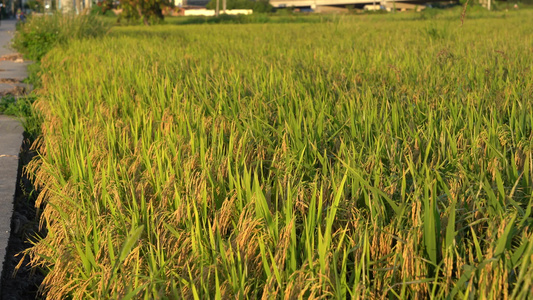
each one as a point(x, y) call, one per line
point(39, 34)
point(34, 5)
point(103, 9)
point(262, 6)
point(34, 75)
point(10, 106)
point(429, 13)
point(21, 107)
point(260, 18)
point(146, 11)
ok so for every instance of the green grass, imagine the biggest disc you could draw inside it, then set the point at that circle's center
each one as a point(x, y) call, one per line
point(21, 107)
point(39, 34)
point(10, 106)
point(366, 157)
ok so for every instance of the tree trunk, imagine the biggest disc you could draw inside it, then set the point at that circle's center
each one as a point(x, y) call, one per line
point(143, 17)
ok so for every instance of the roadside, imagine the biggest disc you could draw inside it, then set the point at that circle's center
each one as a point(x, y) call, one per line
point(17, 212)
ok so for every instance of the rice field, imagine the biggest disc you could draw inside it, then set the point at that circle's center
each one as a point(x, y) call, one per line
point(364, 157)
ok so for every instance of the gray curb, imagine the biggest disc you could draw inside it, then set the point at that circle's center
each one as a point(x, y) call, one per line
point(11, 137)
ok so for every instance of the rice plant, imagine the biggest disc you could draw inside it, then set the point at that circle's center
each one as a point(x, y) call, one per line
point(361, 158)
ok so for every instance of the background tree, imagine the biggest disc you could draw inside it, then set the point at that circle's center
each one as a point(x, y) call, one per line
point(262, 6)
point(149, 11)
point(259, 6)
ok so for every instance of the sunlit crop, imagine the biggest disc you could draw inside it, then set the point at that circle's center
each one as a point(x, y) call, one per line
point(354, 158)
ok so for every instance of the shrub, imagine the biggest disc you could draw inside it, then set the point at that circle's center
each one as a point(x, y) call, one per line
point(39, 34)
point(262, 6)
point(103, 8)
point(150, 12)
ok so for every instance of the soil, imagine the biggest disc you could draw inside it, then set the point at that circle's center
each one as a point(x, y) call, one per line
point(19, 87)
point(15, 91)
point(23, 283)
point(10, 80)
point(16, 57)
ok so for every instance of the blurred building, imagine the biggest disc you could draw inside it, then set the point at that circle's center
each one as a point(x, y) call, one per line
point(68, 6)
point(329, 5)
